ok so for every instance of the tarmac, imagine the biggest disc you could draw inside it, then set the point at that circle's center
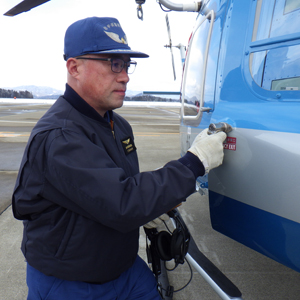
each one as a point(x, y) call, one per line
point(157, 139)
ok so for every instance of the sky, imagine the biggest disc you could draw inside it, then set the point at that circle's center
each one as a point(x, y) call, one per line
point(32, 43)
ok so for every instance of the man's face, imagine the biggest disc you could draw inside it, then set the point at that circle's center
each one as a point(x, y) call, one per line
point(99, 86)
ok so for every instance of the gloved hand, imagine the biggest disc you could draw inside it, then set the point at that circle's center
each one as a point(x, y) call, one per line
point(209, 149)
point(156, 222)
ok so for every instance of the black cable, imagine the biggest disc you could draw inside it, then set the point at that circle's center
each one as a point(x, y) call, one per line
point(170, 270)
point(189, 279)
point(176, 265)
point(191, 271)
point(167, 227)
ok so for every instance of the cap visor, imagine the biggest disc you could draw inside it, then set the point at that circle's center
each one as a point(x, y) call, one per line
point(131, 53)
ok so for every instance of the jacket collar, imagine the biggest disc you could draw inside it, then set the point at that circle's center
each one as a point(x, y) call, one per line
point(83, 107)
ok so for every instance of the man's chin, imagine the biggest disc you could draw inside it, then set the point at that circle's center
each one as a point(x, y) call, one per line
point(118, 104)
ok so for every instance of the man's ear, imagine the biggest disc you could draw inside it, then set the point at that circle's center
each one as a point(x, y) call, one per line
point(72, 67)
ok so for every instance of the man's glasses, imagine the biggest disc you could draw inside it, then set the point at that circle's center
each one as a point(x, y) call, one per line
point(117, 64)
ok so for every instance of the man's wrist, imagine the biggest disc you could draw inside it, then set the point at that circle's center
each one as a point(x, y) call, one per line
point(192, 161)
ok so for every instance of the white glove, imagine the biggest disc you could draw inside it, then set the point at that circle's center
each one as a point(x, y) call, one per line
point(209, 149)
point(156, 222)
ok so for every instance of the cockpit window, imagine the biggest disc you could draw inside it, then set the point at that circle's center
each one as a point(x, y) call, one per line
point(276, 68)
point(291, 5)
point(275, 18)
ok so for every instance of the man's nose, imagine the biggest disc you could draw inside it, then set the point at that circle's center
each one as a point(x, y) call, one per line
point(123, 76)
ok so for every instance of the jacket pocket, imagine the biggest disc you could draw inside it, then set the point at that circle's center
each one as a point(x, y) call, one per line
point(67, 236)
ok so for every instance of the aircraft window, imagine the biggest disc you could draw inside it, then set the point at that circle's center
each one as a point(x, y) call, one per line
point(195, 70)
point(277, 69)
point(291, 5)
point(275, 18)
point(291, 84)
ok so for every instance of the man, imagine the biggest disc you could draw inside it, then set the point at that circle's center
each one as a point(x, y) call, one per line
point(79, 189)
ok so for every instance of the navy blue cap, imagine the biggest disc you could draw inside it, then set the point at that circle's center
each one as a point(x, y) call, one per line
point(97, 36)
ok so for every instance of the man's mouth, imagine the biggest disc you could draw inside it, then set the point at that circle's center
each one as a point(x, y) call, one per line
point(121, 92)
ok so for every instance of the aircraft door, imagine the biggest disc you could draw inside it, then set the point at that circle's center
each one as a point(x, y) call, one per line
point(259, 62)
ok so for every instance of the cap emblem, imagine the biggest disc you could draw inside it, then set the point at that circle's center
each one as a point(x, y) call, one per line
point(116, 37)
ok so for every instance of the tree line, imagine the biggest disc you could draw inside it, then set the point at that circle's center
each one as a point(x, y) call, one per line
point(150, 98)
point(15, 94)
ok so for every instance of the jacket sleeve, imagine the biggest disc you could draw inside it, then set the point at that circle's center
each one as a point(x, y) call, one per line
point(82, 177)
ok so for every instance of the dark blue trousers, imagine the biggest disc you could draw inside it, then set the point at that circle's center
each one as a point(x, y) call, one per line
point(138, 282)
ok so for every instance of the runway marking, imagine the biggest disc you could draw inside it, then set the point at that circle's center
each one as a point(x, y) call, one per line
point(147, 135)
point(151, 124)
point(154, 133)
point(7, 121)
point(12, 134)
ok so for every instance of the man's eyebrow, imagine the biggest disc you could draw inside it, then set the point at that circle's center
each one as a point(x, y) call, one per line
point(121, 57)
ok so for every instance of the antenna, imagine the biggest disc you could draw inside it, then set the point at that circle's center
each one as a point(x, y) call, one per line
point(170, 45)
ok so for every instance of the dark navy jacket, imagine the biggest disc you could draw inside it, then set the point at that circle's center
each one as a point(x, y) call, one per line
point(81, 196)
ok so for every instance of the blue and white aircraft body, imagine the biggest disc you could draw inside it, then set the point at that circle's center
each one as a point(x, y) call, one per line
point(243, 68)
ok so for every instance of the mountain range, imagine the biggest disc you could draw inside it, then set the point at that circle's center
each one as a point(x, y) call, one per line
point(45, 92)
point(39, 92)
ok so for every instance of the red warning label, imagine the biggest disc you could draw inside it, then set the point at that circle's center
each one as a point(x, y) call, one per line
point(230, 143)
